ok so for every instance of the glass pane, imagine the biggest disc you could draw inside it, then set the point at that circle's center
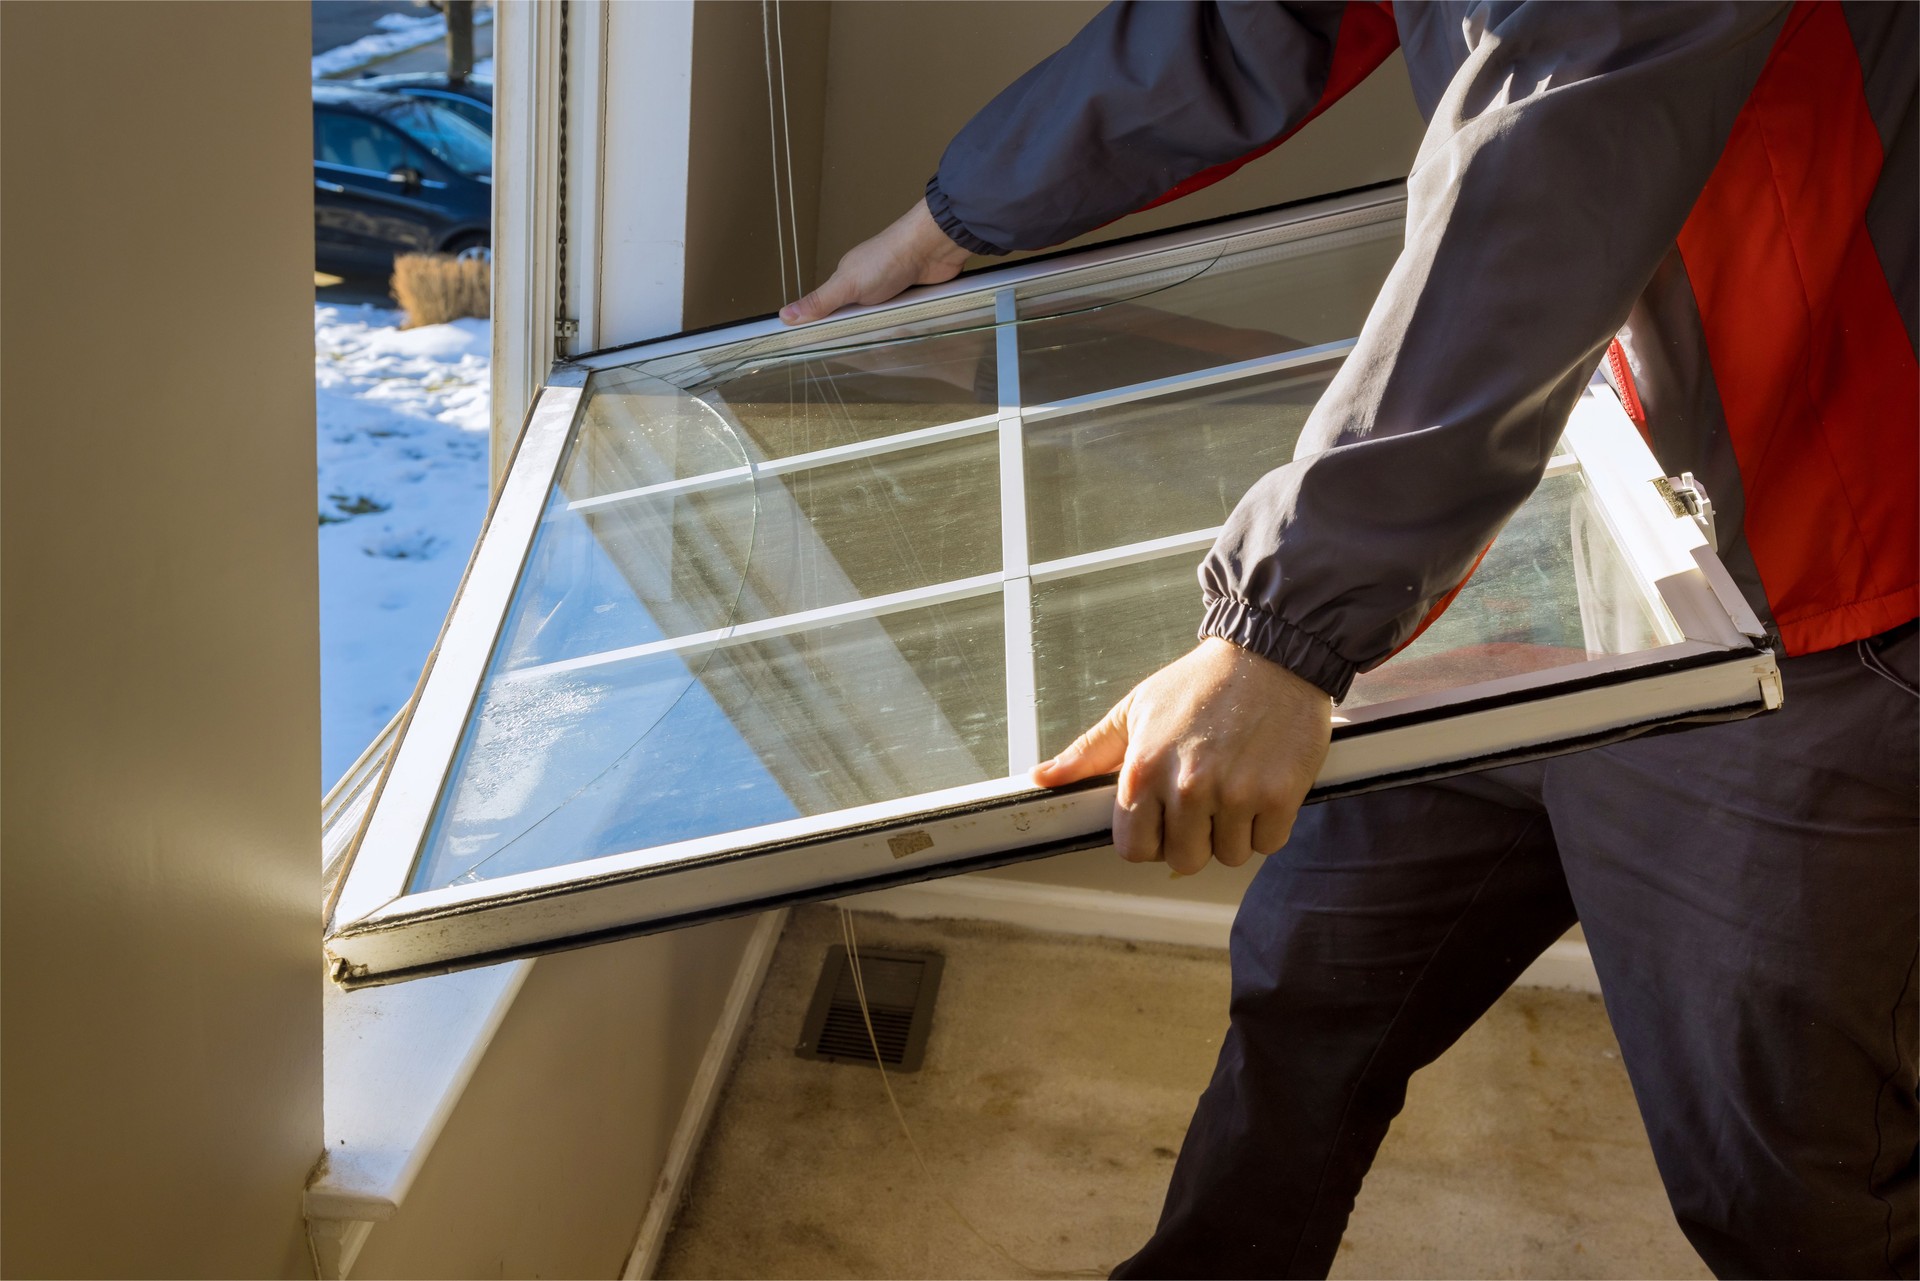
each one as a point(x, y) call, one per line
point(1097, 635)
point(1552, 591)
point(612, 573)
point(1165, 465)
point(859, 387)
point(1077, 339)
point(569, 765)
point(637, 430)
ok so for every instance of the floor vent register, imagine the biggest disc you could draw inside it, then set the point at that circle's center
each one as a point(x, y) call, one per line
point(900, 991)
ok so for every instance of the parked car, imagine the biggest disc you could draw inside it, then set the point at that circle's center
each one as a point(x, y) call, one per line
point(395, 174)
point(471, 97)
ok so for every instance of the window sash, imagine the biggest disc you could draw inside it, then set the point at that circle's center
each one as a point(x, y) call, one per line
point(381, 933)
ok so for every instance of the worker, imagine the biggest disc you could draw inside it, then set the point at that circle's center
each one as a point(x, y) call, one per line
point(1715, 203)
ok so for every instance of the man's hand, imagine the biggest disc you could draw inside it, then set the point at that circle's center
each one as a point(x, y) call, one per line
point(1215, 752)
point(913, 251)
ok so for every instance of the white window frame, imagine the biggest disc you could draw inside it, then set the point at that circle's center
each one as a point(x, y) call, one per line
point(1713, 665)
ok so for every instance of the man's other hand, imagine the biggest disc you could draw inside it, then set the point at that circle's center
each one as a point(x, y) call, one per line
point(1215, 752)
point(913, 251)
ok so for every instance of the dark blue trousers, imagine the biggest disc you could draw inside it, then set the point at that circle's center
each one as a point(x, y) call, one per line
point(1751, 896)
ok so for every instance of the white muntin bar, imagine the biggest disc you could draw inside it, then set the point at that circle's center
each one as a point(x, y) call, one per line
point(1023, 712)
point(740, 633)
point(684, 485)
point(1130, 554)
point(1559, 465)
point(893, 602)
point(801, 462)
point(1010, 407)
point(1017, 576)
point(1239, 370)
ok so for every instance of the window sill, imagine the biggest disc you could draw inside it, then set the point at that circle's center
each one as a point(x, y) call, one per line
point(396, 1060)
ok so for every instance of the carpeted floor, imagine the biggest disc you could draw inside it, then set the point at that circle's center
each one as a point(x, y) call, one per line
point(1059, 1077)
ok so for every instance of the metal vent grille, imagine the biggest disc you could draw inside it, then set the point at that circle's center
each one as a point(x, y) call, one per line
point(900, 991)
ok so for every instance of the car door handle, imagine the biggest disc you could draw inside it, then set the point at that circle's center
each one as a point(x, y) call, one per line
point(321, 184)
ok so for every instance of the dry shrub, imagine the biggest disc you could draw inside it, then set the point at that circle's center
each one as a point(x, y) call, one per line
point(436, 288)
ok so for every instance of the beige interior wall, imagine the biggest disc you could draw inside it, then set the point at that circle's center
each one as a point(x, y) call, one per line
point(876, 88)
point(547, 1164)
point(159, 924)
point(903, 78)
point(734, 246)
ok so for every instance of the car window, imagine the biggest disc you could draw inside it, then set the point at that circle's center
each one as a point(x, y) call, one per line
point(358, 143)
point(472, 112)
point(456, 142)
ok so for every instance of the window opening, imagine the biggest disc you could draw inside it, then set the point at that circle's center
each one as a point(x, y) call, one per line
point(402, 396)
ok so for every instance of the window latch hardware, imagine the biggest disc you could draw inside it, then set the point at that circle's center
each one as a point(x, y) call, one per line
point(564, 327)
point(1685, 496)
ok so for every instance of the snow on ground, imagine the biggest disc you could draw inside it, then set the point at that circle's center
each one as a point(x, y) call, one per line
point(397, 33)
point(403, 486)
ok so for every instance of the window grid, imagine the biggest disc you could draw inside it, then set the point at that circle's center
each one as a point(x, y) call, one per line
point(1015, 579)
point(1023, 710)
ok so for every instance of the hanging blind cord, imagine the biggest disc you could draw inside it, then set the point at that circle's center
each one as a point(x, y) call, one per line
point(560, 241)
point(1871, 660)
point(773, 149)
point(787, 233)
point(786, 144)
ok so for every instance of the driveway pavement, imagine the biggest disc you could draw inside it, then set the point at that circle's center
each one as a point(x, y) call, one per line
point(338, 22)
point(341, 22)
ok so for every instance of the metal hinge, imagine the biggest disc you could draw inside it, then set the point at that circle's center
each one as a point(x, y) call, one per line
point(565, 328)
point(1685, 496)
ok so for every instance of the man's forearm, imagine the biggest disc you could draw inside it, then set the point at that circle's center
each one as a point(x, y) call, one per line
point(1145, 97)
point(1559, 167)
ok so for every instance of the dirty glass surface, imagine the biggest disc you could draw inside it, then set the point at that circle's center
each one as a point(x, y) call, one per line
point(872, 560)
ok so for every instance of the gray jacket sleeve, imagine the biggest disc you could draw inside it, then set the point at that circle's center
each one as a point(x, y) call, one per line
point(1562, 157)
point(1146, 96)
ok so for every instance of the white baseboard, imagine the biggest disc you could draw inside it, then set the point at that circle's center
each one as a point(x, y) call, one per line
point(704, 1096)
point(1139, 918)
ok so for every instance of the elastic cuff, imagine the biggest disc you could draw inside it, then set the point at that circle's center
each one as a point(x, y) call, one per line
point(1272, 637)
point(942, 210)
